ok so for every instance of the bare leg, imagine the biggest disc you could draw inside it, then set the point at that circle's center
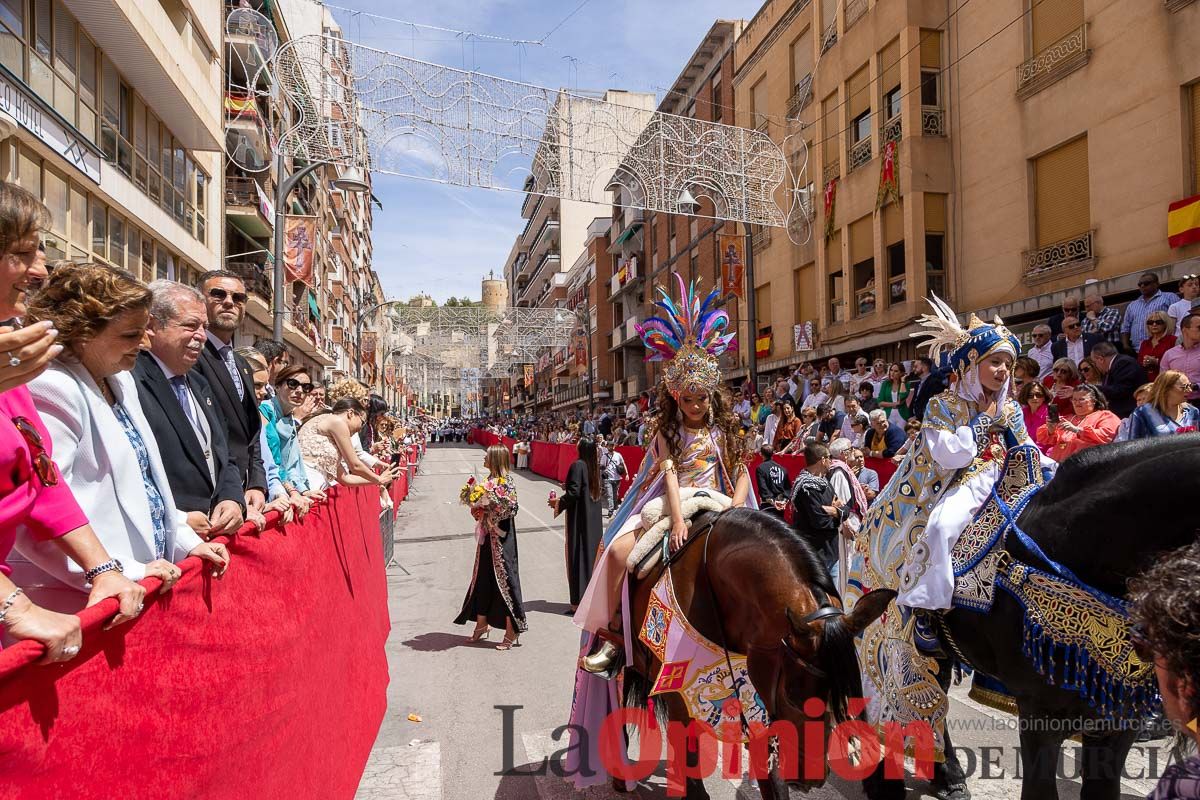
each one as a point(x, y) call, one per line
point(619, 550)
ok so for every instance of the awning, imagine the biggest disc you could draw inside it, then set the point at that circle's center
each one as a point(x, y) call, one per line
point(624, 238)
point(312, 306)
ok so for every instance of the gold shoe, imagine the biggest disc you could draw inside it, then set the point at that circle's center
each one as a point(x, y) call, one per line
point(600, 661)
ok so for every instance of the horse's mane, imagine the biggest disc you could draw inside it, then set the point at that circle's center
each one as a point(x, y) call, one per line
point(837, 654)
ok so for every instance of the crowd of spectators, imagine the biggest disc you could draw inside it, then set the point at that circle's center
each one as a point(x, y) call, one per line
point(127, 405)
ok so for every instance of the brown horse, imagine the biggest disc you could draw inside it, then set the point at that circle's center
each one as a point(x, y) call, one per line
point(776, 604)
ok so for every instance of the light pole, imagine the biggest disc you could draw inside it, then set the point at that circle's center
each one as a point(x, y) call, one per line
point(358, 323)
point(583, 313)
point(352, 181)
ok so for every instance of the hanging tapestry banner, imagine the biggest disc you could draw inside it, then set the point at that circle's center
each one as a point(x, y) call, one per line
point(528, 375)
point(299, 245)
point(889, 186)
point(369, 339)
point(733, 264)
point(830, 197)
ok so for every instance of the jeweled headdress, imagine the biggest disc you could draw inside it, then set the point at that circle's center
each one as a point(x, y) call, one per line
point(691, 338)
point(962, 348)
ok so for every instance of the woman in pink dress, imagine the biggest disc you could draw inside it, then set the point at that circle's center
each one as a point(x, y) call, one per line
point(33, 495)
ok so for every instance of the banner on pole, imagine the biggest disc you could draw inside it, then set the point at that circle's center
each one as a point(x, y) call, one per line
point(299, 245)
point(528, 375)
point(733, 264)
point(369, 341)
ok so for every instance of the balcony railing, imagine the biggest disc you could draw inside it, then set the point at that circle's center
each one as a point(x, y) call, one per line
point(829, 37)
point(1175, 5)
point(860, 153)
point(855, 10)
point(801, 96)
point(933, 121)
point(761, 238)
point(241, 191)
point(254, 276)
point(762, 125)
point(1056, 61)
point(892, 130)
point(1065, 257)
point(832, 170)
point(551, 223)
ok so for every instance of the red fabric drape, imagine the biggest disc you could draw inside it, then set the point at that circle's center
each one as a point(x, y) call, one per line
point(265, 683)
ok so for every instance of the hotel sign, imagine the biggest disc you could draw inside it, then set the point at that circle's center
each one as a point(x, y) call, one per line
point(33, 117)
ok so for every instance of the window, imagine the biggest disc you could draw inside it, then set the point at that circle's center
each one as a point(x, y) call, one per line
point(1061, 204)
point(116, 240)
point(931, 67)
point(88, 88)
point(801, 57)
point(762, 306)
point(858, 98)
point(829, 132)
point(1052, 20)
point(12, 36)
point(935, 245)
point(718, 108)
point(99, 230)
point(837, 287)
point(893, 237)
point(889, 79)
point(758, 100)
point(862, 255)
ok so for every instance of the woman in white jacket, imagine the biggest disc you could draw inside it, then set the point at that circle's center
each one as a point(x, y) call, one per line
point(102, 442)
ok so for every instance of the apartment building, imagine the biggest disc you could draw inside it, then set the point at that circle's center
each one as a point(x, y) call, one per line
point(110, 113)
point(1025, 167)
point(678, 243)
point(321, 312)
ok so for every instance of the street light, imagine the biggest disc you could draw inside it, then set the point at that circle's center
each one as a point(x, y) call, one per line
point(358, 334)
point(689, 205)
point(351, 181)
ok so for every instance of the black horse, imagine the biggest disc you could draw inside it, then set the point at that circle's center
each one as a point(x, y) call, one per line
point(1109, 513)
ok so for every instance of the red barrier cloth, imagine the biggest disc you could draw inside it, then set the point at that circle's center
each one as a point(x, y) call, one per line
point(268, 683)
point(633, 462)
point(568, 454)
point(543, 459)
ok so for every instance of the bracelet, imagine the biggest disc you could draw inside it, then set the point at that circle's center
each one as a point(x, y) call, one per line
point(100, 569)
point(666, 465)
point(8, 603)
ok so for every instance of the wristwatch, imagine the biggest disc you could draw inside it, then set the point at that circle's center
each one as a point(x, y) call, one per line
point(100, 569)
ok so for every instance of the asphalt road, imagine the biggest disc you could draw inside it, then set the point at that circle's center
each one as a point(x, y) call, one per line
point(458, 748)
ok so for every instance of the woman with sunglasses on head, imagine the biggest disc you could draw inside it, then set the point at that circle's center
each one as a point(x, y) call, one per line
point(34, 498)
point(1160, 337)
point(329, 456)
point(88, 400)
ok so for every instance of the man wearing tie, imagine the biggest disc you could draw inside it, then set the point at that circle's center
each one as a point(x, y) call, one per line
point(232, 382)
point(186, 419)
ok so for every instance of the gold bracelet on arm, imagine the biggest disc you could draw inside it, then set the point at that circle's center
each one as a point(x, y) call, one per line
point(666, 465)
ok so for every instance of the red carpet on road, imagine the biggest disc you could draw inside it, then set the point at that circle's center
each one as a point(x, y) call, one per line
point(267, 683)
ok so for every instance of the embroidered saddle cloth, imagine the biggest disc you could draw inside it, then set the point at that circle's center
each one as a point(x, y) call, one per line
point(656, 524)
point(694, 667)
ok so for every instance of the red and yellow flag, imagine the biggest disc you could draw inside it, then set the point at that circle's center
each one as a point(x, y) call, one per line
point(762, 345)
point(1183, 221)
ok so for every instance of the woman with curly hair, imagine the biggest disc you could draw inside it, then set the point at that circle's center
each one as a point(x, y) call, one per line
point(695, 443)
point(1166, 633)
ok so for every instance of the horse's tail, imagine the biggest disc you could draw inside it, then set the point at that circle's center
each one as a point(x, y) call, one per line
point(839, 660)
point(637, 695)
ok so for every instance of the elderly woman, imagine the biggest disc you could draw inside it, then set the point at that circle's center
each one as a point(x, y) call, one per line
point(1167, 412)
point(88, 400)
point(1061, 383)
point(34, 498)
point(884, 437)
point(325, 444)
point(1160, 337)
point(1089, 424)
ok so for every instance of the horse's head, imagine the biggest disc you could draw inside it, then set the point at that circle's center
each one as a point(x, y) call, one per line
point(815, 660)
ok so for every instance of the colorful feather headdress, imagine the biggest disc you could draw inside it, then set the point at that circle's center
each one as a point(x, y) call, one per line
point(691, 338)
point(962, 348)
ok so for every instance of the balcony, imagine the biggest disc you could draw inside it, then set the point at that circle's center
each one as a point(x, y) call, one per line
point(829, 37)
point(763, 125)
point(244, 207)
point(933, 121)
point(860, 154)
point(761, 238)
point(855, 10)
point(257, 278)
point(547, 234)
point(620, 282)
point(832, 172)
point(246, 135)
point(529, 206)
point(249, 47)
point(1054, 63)
point(1066, 257)
point(801, 96)
point(892, 130)
point(625, 334)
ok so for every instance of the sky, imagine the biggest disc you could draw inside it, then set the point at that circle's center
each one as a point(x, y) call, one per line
point(442, 240)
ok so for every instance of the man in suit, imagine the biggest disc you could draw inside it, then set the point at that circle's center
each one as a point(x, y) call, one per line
point(1070, 308)
point(1122, 377)
point(929, 383)
point(1075, 344)
point(232, 381)
point(184, 415)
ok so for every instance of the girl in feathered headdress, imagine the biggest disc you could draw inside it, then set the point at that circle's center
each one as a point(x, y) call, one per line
point(695, 442)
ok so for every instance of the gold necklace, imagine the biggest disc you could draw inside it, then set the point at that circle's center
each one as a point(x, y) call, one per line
point(107, 391)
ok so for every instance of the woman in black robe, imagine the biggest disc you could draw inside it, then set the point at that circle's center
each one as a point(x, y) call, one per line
point(581, 499)
point(494, 596)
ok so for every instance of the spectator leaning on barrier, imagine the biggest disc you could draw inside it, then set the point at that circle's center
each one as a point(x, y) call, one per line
point(883, 438)
point(292, 384)
point(103, 444)
point(278, 497)
point(1185, 356)
point(184, 415)
point(1133, 327)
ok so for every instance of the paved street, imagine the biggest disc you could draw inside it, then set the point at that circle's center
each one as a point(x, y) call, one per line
point(456, 750)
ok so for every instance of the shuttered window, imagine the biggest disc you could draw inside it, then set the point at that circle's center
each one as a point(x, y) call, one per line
point(858, 90)
point(862, 240)
point(935, 213)
point(758, 99)
point(833, 252)
point(1195, 93)
point(762, 301)
point(931, 48)
point(829, 107)
point(802, 57)
point(828, 13)
point(889, 66)
point(1054, 19)
point(893, 223)
point(1061, 192)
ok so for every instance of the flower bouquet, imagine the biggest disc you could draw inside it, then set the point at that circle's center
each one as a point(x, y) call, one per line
point(491, 502)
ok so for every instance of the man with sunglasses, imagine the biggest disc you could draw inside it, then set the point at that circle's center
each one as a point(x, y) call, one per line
point(232, 381)
point(182, 411)
point(1075, 344)
point(1133, 327)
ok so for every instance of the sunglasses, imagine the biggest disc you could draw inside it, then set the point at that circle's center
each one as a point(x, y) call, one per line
point(1155, 322)
point(1146, 283)
point(294, 384)
point(1062, 371)
point(42, 465)
point(219, 294)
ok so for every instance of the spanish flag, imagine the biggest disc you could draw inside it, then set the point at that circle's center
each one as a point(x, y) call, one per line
point(1183, 221)
point(762, 345)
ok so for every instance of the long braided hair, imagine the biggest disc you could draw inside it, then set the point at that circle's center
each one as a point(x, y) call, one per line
point(668, 419)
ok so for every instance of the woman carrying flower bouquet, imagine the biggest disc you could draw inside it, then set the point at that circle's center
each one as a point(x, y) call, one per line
point(494, 596)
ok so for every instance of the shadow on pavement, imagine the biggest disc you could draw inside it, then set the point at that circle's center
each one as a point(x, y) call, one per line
point(440, 641)
point(547, 607)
